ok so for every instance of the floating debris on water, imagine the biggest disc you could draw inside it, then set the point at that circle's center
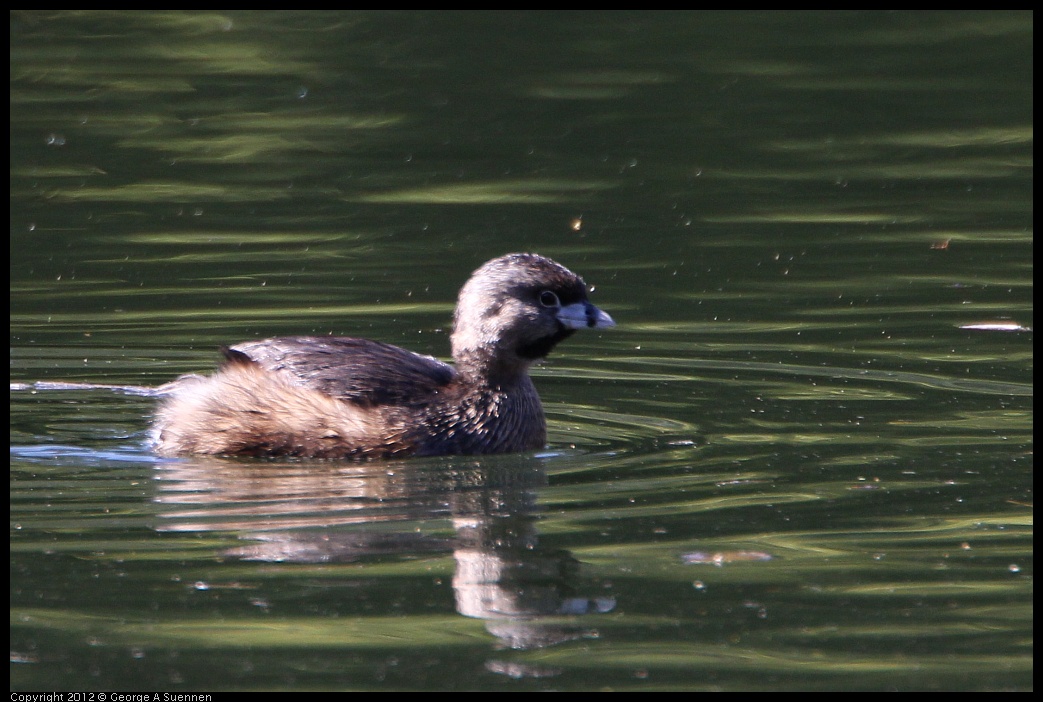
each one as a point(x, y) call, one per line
point(719, 558)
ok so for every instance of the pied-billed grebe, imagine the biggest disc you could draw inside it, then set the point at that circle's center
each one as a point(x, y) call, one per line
point(338, 397)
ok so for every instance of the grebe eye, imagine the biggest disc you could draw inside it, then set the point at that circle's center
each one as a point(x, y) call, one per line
point(549, 299)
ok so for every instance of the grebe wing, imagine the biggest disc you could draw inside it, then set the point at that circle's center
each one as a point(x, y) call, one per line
point(354, 370)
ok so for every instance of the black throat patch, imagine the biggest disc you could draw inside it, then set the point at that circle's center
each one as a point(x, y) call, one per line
point(541, 347)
